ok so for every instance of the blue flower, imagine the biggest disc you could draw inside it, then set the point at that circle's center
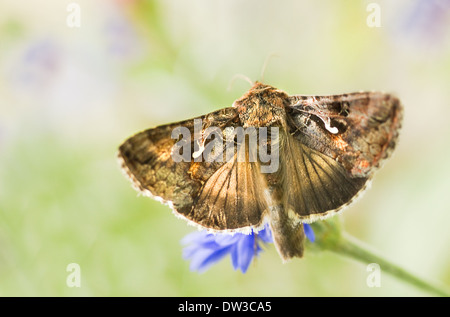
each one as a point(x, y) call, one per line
point(204, 249)
point(309, 232)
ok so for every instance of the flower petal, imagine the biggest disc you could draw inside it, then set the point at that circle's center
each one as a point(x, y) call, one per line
point(226, 238)
point(265, 234)
point(194, 237)
point(246, 251)
point(204, 258)
point(309, 232)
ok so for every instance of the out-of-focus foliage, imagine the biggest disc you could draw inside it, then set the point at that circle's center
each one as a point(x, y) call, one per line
point(70, 96)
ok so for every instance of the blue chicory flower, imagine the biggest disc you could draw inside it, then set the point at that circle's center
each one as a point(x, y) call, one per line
point(309, 232)
point(204, 249)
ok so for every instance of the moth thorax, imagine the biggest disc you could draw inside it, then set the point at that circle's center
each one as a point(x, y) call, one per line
point(260, 114)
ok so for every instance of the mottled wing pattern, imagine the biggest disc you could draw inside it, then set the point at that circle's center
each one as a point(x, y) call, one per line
point(318, 185)
point(214, 195)
point(365, 127)
point(309, 185)
point(335, 144)
point(232, 198)
point(146, 159)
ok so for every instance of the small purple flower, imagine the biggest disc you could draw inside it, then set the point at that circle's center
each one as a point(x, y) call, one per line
point(427, 19)
point(204, 249)
point(38, 65)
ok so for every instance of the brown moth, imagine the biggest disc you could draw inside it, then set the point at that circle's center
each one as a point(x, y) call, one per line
point(328, 149)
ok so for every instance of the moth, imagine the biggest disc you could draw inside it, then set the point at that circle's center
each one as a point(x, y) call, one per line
point(327, 147)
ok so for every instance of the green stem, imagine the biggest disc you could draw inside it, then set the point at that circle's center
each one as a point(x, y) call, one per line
point(350, 247)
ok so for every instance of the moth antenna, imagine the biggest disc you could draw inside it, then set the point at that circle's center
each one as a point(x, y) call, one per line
point(266, 62)
point(239, 76)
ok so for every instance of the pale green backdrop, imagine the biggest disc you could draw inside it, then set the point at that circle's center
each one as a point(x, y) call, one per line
point(70, 96)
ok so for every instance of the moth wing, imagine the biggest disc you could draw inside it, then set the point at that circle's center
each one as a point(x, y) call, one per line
point(214, 195)
point(334, 145)
point(318, 185)
point(146, 159)
point(232, 198)
point(359, 130)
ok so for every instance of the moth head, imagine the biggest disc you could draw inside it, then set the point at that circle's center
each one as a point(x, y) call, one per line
point(262, 105)
point(261, 95)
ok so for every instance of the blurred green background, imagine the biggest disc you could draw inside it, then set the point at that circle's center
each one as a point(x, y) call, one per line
point(70, 95)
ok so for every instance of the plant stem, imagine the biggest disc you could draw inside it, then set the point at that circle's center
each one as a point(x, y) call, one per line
point(348, 246)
